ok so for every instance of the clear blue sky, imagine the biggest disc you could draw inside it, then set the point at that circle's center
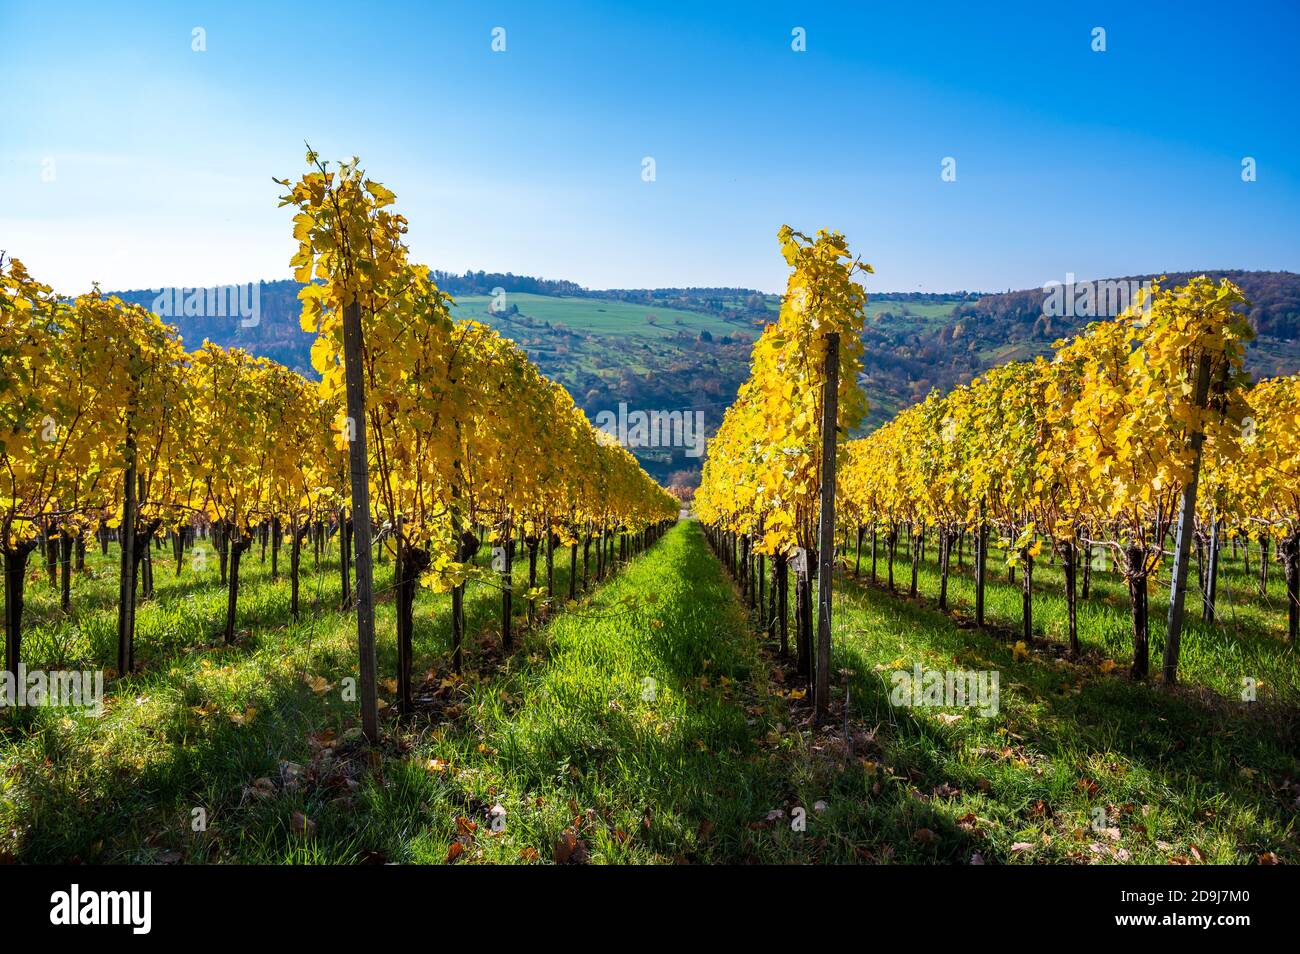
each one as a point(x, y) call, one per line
point(1068, 160)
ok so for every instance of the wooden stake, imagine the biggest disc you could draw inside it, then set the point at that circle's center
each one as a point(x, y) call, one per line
point(826, 528)
point(1186, 527)
point(359, 472)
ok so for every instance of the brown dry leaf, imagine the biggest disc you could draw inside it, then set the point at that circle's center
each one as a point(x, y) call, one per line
point(925, 836)
point(528, 854)
point(301, 825)
point(454, 851)
point(570, 849)
point(322, 740)
point(1020, 846)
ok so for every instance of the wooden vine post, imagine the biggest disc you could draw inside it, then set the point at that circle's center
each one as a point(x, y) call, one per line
point(1186, 527)
point(826, 527)
point(359, 472)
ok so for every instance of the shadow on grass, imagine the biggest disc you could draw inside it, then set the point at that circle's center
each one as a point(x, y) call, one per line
point(1196, 750)
point(126, 787)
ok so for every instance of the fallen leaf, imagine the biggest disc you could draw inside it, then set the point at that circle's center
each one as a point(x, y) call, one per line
point(301, 825)
point(925, 836)
point(570, 849)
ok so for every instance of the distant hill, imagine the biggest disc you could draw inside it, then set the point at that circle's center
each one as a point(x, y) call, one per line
point(905, 358)
point(667, 350)
point(688, 348)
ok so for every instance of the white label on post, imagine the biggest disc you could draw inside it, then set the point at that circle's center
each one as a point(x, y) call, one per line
point(799, 560)
point(499, 559)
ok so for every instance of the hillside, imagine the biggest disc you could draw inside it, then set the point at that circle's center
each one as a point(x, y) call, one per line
point(908, 354)
point(688, 348)
point(653, 350)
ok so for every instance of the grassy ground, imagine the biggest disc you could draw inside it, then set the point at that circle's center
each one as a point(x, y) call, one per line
point(1080, 764)
point(644, 724)
point(606, 736)
point(1246, 643)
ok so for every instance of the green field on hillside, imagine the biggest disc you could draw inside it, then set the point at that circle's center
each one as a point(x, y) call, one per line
point(928, 314)
point(597, 316)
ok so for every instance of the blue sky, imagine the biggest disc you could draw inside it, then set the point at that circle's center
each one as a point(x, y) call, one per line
point(130, 159)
